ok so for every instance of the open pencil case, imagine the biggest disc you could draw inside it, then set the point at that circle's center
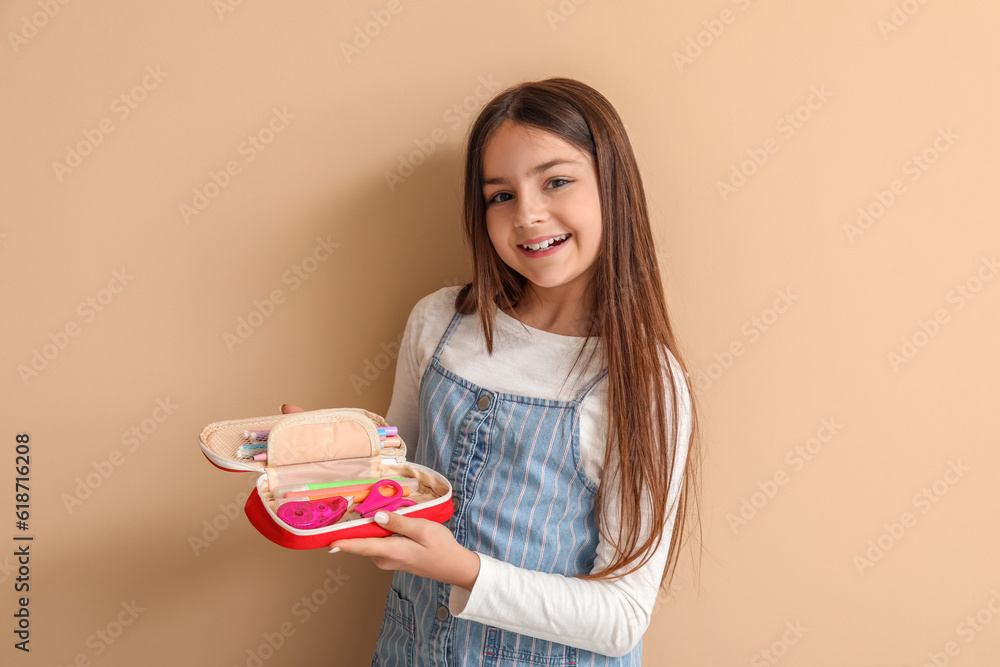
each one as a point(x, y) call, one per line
point(330, 445)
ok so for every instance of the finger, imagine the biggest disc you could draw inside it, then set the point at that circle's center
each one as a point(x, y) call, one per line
point(375, 547)
point(288, 407)
point(397, 523)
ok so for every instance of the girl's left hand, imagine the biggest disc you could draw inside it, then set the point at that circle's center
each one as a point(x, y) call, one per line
point(421, 547)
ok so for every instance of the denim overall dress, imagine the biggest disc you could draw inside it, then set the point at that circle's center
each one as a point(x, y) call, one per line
point(521, 497)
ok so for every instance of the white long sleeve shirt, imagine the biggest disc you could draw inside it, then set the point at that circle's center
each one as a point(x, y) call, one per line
point(607, 617)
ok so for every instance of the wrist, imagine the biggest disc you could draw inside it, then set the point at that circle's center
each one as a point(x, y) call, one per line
point(468, 571)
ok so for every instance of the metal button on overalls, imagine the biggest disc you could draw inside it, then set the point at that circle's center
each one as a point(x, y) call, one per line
point(442, 613)
point(484, 401)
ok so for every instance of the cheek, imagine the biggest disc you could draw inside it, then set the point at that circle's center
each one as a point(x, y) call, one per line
point(496, 237)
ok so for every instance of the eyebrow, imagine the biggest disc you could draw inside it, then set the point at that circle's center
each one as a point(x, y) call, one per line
point(537, 170)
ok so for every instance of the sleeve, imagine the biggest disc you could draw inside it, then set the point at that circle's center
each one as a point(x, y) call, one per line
point(403, 411)
point(607, 617)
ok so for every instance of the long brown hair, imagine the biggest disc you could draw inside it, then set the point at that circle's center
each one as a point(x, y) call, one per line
point(628, 309)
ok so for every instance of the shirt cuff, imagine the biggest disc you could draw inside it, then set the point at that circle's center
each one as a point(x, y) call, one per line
point(462, 602)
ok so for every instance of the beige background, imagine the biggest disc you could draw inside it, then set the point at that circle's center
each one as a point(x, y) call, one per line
point(886, 80)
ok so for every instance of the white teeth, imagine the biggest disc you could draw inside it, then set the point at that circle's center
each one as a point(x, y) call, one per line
point(544, 245)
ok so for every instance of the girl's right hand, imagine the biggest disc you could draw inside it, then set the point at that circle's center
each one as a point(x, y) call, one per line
point(288, 407)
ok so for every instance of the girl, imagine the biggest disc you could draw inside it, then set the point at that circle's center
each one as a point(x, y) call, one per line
point(568, 489)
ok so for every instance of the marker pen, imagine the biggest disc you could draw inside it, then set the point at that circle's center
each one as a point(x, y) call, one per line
point(298, 488)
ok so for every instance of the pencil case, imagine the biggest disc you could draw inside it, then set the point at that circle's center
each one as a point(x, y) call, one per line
point(329, 445)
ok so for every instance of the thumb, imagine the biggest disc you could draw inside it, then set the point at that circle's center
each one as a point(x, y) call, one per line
point(288, 407)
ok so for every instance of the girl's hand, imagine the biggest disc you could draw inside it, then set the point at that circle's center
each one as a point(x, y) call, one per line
point(421, 547)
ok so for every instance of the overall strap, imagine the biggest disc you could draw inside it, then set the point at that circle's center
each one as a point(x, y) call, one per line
point(590, 385)
point(452, 325)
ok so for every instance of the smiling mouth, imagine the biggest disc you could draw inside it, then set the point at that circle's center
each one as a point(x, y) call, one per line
point(545, 245)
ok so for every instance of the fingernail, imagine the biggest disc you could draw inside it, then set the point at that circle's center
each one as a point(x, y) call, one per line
point(381, 517)
point(335, 550)
point(282, 408)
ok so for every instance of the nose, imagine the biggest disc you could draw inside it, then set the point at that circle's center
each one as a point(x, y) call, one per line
point(530, 209)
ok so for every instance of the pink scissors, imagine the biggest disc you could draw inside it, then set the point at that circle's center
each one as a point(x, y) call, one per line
point(377, 501)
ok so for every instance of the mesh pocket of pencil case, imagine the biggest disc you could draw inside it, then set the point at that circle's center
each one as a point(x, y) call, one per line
point(320, 449)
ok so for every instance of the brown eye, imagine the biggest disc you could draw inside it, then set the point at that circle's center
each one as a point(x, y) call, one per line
point(499, 194)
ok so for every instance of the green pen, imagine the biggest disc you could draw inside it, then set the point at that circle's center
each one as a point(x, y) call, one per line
point(285, 490)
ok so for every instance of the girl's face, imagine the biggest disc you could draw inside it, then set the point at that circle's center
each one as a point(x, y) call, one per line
point(539, 188)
